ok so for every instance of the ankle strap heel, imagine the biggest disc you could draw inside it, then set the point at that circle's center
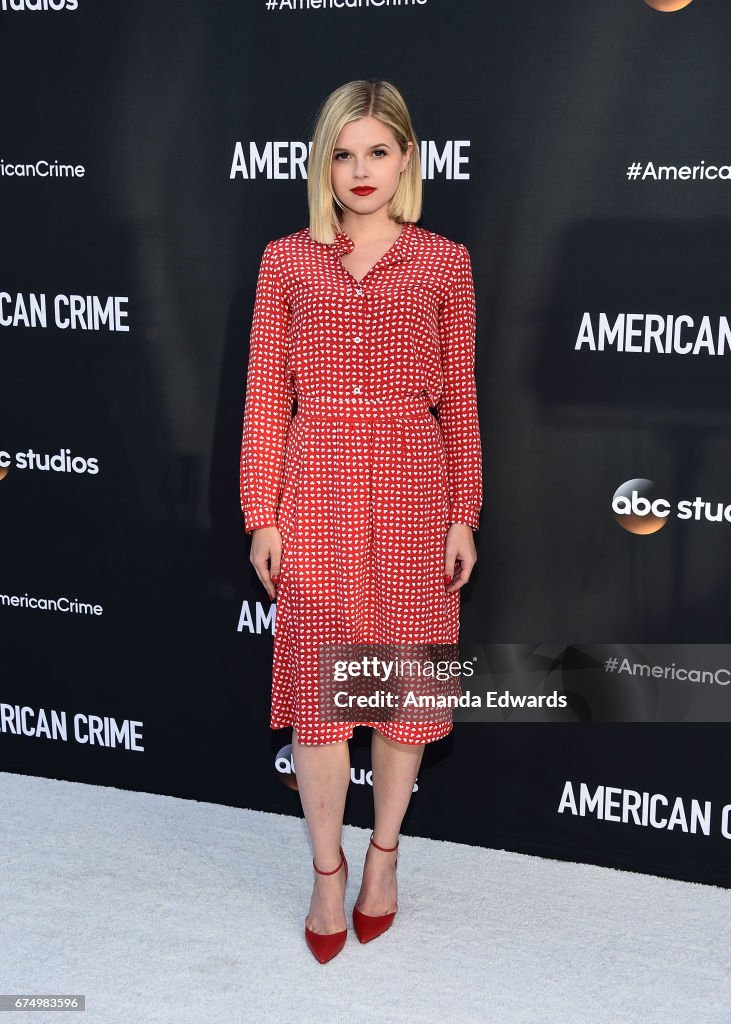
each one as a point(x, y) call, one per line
point(327, 945)
point(386, 849)
point(367, 926)
point(334, 870)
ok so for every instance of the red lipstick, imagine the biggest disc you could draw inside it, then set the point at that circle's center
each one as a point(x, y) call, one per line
point(363, 190)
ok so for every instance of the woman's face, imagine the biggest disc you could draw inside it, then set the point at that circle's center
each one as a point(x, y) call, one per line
point(367, 157)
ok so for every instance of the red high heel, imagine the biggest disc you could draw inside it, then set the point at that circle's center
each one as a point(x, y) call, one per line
point(367, 926)
point(325, 947)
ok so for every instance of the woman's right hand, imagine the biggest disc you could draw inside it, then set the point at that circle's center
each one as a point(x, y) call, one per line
point(266, 557)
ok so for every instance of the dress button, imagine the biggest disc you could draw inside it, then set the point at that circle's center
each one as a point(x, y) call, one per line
point(357, 340)
point(357, 389)
point(358, 291)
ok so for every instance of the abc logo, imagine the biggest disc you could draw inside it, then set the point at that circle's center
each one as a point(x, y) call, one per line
point(284, 763)
point(668, 5)
point(637, 510)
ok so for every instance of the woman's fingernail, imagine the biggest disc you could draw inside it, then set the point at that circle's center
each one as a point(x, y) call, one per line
point(447, 579)
point(275, 579)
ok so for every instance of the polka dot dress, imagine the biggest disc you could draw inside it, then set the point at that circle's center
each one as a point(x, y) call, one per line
point(360, 477)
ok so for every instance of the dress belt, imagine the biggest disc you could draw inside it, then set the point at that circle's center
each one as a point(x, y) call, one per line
point(405, 406)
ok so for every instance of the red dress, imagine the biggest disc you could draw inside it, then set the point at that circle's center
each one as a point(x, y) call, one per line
point(363, 481)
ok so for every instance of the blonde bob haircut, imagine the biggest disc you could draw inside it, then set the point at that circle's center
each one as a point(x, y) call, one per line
point(361, 98)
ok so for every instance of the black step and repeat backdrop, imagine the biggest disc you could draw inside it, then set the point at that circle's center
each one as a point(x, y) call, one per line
point(149, 150)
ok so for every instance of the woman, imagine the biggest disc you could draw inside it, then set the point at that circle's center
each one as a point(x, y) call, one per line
point(362, 505)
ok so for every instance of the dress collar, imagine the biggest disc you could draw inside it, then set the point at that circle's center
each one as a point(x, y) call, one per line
point(401, 248)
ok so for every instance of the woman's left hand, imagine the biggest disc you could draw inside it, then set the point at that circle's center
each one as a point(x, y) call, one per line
point(460, 554)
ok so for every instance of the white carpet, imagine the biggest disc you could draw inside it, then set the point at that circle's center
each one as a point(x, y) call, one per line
point(167, 910)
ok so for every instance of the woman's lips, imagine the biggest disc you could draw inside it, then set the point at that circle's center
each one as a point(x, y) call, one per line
point(363, 190)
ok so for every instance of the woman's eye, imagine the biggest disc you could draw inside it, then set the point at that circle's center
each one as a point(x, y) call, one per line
point(375, 152)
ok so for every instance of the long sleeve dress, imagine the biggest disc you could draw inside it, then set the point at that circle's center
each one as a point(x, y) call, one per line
point(363, 480)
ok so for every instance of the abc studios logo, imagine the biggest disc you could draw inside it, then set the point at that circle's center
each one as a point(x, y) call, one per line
point(637, 510)
point(668, 5)
point(39, 5)
point(284, 764)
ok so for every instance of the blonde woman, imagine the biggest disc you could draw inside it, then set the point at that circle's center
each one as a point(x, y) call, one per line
point(361, 505)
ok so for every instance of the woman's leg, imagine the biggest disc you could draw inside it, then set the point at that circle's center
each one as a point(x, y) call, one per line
point(395, 767)
point(323, 775)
